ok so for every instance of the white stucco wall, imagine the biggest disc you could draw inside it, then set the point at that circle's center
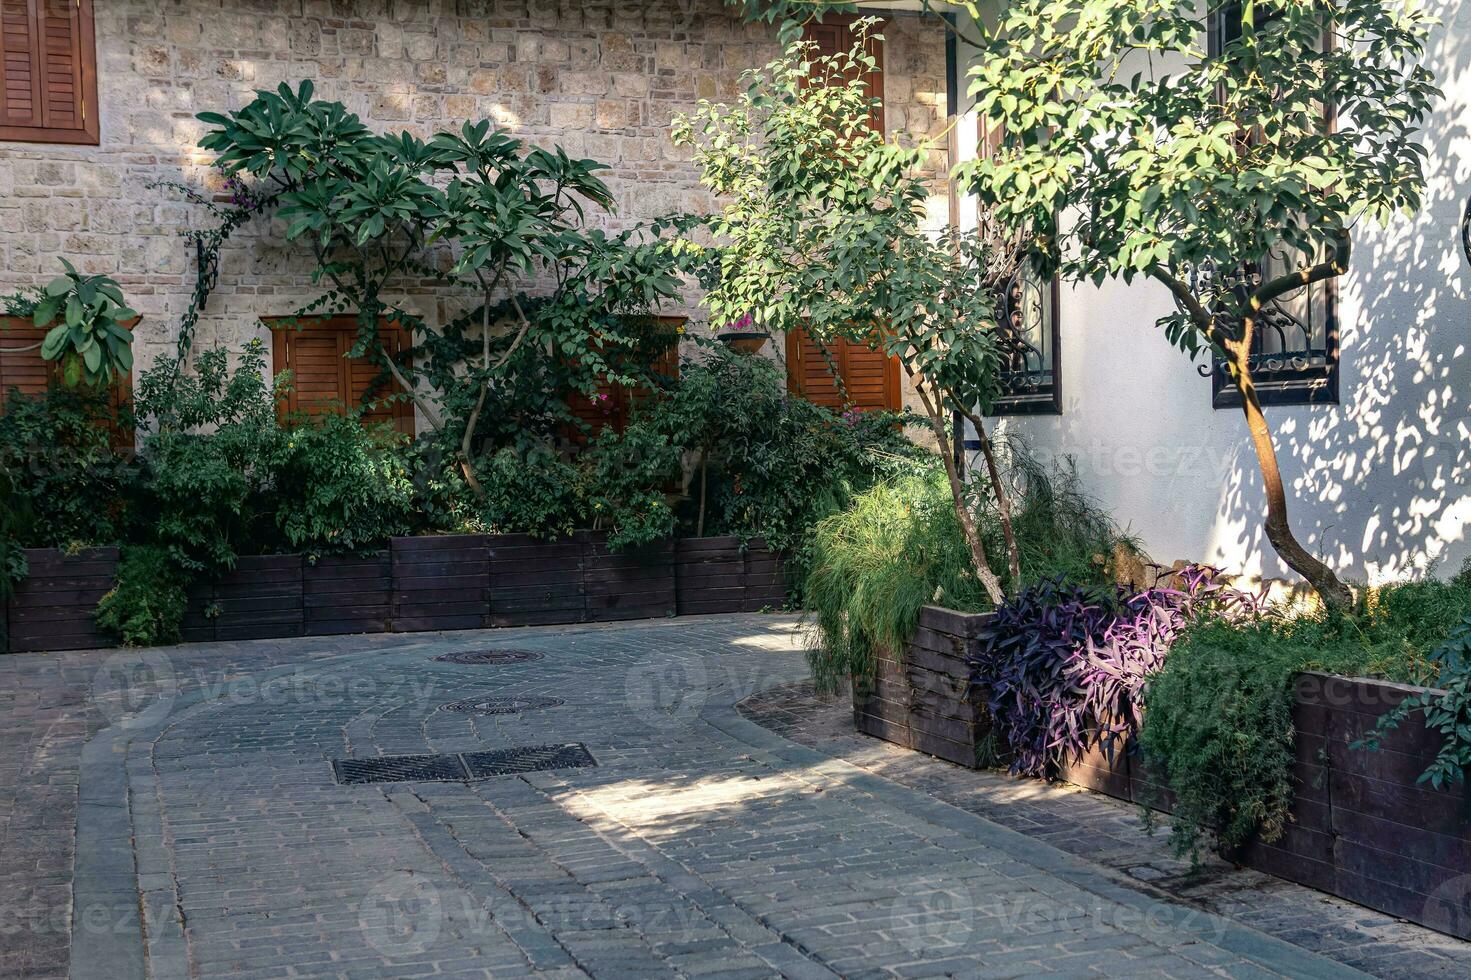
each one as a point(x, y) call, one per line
point(1380, 484)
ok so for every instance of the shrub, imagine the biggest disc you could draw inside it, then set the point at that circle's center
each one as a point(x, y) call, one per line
point(899, 547)
point(896, 549)
point(207, 465)
point(628, 478)
point(58, 449)
point(339, 485)
point(1218, 716)
point(147, 605)
point(534, 492)
point(1065, 667)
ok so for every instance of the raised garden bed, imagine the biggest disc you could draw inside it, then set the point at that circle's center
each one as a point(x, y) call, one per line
point(1362, 829)
point(445, 582)
point(923, 699)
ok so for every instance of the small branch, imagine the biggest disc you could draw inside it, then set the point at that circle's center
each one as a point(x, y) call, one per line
point(1334, 265)
point(21, 350)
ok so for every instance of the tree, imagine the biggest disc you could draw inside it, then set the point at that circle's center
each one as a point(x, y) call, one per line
point(475, 213)
point(824, 229)
point(1132, 151)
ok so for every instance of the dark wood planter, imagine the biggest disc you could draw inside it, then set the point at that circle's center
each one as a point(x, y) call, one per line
point(718, 575)
point(922, 699)
point(1362, 828)
point(346, 594)
point(52, 608)
point(444, 582)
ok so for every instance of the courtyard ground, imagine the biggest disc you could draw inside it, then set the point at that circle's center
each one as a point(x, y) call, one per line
point(193, 811)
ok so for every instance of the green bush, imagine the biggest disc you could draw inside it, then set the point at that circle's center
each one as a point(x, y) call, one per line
point(899, 547)
point(66, 476)
point(207, 464)
point(340, 486)
point(629, 475)
point(534, 492)
point(1218, 717)
point(147, 605)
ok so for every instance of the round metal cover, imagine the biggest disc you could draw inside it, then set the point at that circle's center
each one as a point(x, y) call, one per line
point(489, 657)
point(501, 706)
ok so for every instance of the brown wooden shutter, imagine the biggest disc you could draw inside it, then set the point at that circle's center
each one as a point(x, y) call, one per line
point(27, 373)
point(325, 380)
point(870, 377)
point(50, 71)
point(611, 404)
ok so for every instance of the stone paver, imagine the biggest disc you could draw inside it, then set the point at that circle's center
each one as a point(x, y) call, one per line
point(174, 814)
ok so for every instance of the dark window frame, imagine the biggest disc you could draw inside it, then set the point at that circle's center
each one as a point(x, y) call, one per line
point(1286, 385)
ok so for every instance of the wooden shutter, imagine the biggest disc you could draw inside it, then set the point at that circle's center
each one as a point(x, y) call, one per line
point(27, 373)
point(611, 404)
point(325, 380)
point(835, 35)
point(50, 72)
point(870, 377)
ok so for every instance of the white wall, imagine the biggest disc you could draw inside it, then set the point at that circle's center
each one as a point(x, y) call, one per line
point(1379, 484)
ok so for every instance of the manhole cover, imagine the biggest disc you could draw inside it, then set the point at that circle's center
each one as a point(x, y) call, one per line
point(488, 657)
point(400, 769)
point(528, 758)
point(500, 706)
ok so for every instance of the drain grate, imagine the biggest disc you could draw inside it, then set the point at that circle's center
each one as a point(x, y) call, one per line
point(400, 769)
point(501, 706)
point(528, 758)
point(489, 657)
point(463, 767)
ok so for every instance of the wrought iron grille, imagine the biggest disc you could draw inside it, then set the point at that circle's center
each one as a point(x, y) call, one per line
point(1294, 344)
point(1027, 314)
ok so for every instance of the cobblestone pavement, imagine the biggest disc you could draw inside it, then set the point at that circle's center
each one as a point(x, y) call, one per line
point(195, 784)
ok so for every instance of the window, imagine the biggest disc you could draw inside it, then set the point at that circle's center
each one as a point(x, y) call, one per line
point(843, 374)
point(1294, 348)
point(869, 377)
point(324, 379)
point(22, 369)
point(50, 91)
point(1031, 373)
point(612, 403)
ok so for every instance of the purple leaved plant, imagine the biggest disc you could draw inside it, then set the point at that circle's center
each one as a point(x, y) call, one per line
point(1065, 667)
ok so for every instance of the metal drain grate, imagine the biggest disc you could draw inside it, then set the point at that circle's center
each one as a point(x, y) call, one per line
point(463, 767)
point(528, 758)
point(501, 706)
point(400, 769)
point(489, 657)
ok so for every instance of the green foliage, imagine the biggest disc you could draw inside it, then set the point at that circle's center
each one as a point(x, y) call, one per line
point(378, 210)
point(65, 476)
point(1121, 171)
point(535, 492)
point(90, 338)
point(898, 548)
point(147, 605)
point(338, 485)
point(15, 519)
point(627, 495)
point(207, 464)
point(1218, 717)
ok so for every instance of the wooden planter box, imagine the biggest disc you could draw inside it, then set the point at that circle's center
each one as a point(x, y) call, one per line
point(346, 594)
point(444, 582)
point(922, 699)
point(718, 575)
point(52, 607)
point(1362, 828)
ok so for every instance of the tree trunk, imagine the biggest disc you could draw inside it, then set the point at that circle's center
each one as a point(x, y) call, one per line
point(988, 578)
point(1003, 502)
point(1324, 582)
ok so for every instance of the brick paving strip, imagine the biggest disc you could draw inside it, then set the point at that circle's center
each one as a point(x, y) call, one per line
point(701, 845)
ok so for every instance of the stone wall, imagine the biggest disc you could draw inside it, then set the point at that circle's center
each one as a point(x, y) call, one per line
point(600, 78)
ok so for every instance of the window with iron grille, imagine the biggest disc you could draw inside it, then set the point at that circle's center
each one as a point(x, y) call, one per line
point(1294, 349)
point(1030, 374)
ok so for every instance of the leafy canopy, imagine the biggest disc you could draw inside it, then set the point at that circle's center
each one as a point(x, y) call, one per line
point(1129, 147)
